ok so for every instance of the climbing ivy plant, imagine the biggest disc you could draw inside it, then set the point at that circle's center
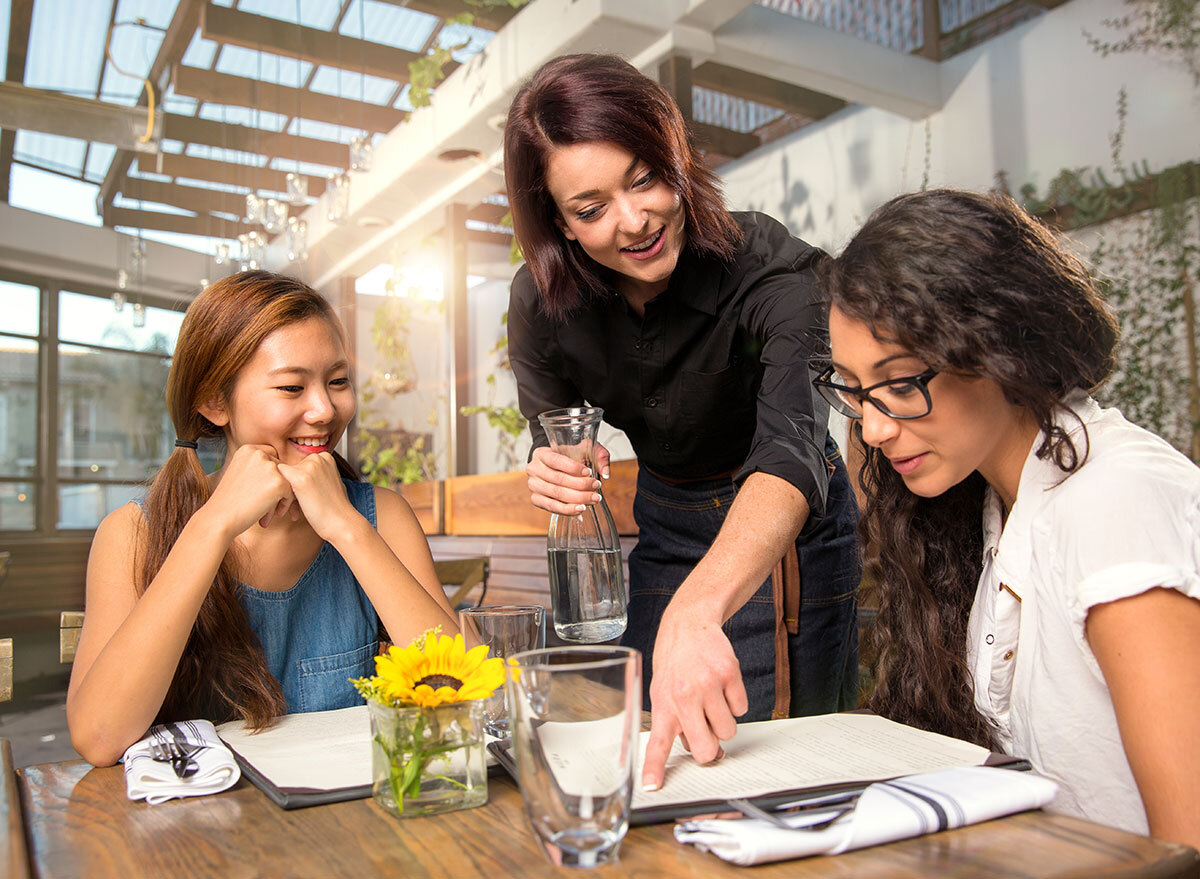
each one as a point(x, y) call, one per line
point(1148, 256)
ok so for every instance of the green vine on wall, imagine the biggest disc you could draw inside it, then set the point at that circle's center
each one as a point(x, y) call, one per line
point(1148, 258)
point(1166, 27)
point(430, 69)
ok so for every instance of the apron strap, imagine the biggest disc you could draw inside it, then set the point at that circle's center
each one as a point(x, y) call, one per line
point(785, 589)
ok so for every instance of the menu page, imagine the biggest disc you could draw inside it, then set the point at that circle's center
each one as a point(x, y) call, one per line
point(320, 750)
point(803, 752)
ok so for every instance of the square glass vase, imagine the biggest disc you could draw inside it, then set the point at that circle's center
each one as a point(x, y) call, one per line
point(428, 760)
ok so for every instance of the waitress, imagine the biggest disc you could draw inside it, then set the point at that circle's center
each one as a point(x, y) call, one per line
point(692, 327)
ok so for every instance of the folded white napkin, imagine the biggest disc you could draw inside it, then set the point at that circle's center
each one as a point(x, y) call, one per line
point(886, 811)
point(156, 782)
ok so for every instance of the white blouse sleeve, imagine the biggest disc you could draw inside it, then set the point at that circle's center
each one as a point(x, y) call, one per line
point(1128, 528)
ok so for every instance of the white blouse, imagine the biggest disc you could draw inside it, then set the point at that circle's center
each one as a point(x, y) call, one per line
point(1127, 521)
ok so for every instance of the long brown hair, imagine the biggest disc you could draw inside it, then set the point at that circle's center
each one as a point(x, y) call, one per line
point(970, 284)
point(222, 673)
point(576, 99)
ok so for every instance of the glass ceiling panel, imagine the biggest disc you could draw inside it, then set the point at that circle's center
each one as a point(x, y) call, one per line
point(173, 103)
point(203, 151)
point(324, 130)
point(100, 156)
point(119, 89)
point(475, 38)
point(356, 86)
point(200, 52)
point(262, 66)
point(122, 201)
point(212, 184)
point(310, 168)
point(148, 172)
point(133, 47)
point(726, 111)
point(157, 13)
point(261, 119)
point(320, 14)
point(198, 243)
point(396, 26)
point(51, 194)
point(66, 45)
point(402, 102)
point(64, 154)
point(5, 14)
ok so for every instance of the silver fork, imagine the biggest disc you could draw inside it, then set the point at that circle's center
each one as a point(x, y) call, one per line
point(750, 810)
point(169, 752)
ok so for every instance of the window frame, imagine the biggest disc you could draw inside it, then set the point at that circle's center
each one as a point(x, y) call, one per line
point(46, 481)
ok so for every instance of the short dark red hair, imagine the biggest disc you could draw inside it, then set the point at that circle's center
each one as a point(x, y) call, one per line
point(600, 98)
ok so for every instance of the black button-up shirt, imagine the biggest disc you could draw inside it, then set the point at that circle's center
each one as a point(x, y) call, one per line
point(713, 378)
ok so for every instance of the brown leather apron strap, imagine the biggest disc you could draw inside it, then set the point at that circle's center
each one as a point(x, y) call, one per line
point(785, 589)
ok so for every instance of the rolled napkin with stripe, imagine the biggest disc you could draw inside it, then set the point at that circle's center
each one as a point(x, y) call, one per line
point(204, 765)
point(886, 811)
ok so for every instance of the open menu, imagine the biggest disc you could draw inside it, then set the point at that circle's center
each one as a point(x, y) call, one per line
point(774, 761)
point(307, 759)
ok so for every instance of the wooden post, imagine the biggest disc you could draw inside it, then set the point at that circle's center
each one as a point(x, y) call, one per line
point(458, 452)
point(675, 75)
point(931, 30)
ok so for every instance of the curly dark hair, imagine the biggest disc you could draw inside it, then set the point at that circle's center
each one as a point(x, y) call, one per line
point(972, 285)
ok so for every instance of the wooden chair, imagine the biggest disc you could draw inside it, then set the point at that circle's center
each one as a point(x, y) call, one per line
point(70, 623)
point(463, 575)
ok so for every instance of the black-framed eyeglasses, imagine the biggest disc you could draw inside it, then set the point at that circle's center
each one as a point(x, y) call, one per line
point(901, 398)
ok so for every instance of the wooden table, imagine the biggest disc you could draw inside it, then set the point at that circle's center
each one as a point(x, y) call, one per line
point(78, 822)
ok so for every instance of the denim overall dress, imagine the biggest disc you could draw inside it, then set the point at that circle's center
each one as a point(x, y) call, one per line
point(323, 630)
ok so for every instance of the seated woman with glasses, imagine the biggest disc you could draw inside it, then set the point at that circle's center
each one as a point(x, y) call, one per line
point(1037, 556)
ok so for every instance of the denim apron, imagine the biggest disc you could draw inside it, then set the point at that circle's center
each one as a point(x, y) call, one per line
point(677, 525)
point(322, 631)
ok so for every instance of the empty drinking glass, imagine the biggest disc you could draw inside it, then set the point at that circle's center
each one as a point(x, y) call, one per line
point(507, 629)
point(575, 714)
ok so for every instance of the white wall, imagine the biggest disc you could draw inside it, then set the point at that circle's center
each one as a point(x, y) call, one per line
point(1029, 102)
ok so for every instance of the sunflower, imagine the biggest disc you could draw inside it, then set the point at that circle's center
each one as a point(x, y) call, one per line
point(444, 671)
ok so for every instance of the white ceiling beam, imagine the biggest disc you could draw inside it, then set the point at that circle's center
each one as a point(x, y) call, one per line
point(409, 184)
point(806, 54)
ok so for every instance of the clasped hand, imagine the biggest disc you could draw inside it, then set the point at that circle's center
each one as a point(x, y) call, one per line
point(257, 487)
point(560, 484)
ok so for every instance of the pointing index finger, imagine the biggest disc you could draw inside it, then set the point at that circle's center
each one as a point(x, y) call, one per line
point(663, 729)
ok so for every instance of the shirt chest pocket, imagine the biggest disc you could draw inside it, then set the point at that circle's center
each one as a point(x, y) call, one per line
point(712, 402)
point(324, 681)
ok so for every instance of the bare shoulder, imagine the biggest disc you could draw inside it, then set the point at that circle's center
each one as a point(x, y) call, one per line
point(118, 532)
point(110, 570)
point(391, 510)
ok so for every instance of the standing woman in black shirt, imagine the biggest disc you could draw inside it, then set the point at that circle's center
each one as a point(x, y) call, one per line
point(692, 328)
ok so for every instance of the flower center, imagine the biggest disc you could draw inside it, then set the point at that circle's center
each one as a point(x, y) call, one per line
point(437, 681)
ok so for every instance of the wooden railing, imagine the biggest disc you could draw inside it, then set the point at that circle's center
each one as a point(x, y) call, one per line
point(497, 504)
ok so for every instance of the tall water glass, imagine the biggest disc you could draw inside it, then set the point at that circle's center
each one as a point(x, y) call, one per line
point(575, 714)
point(507, 629)
point(587, 582)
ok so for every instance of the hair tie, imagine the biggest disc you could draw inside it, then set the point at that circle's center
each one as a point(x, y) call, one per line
point(186, 444)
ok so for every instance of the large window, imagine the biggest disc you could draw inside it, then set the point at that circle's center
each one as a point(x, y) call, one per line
point(83, 419)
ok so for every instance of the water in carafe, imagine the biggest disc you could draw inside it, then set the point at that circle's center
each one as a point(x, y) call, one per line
point(587, 582)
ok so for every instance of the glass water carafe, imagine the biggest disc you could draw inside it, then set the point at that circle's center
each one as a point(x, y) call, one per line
point(587, 584)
